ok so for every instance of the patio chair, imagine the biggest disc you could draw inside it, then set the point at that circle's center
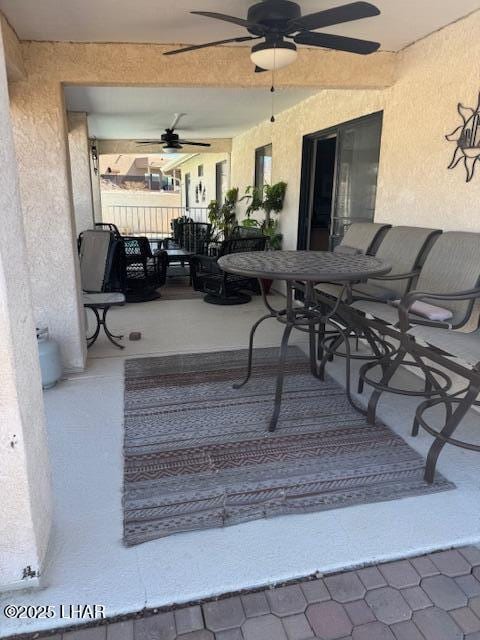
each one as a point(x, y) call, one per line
point(196, 237)
point(459, 354)
point(176, 239)
point(102, 270)
point(450, 277)
point(363, 237)
point(405, 249)
point(220, 287)
point(145, 272)
point(108, 226)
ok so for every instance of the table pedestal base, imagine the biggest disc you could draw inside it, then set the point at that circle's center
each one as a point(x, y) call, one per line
point(308, 318)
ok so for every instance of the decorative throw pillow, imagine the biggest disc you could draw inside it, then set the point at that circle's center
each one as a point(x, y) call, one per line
point(428, 311)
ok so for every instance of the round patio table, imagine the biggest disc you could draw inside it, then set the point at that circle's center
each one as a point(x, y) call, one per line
point(300, 270)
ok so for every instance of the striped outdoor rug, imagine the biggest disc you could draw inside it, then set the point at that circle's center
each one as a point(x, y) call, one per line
point(197, 454)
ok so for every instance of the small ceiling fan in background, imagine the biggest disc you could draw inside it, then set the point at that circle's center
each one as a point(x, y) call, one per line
point(171, 141)
point(281, 26)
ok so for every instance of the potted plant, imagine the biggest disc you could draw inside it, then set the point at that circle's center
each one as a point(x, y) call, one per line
point(273, 199)
point(270, 198)
point(224, 217)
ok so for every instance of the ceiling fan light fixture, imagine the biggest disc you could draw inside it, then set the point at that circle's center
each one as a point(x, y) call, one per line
point(169, 150)
point(273, 56)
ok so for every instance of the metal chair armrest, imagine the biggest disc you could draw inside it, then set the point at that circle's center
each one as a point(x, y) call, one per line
point(399, 276)
point(410, 297)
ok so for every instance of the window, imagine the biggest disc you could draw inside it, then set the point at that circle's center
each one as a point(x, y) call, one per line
point(263, 165)
point(200, 170)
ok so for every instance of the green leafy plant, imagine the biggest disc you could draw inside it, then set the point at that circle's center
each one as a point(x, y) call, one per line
point(270, 199)
point(224, 217)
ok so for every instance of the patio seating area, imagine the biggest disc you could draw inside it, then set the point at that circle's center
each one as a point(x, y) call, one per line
point(239, 320)
point(88, 561)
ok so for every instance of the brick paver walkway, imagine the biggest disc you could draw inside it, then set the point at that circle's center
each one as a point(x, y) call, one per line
point(432, 597)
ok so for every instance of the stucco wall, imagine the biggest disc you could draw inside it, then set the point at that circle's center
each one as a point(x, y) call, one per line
point(414, 184)
point(208, 180)
point(25, 508)
point(39, 119)
point(317, 112)
point(38, 114)
point(80, 171)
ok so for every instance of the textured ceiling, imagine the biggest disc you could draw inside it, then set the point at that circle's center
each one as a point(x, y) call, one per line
point(129, 112)
point(401, 22)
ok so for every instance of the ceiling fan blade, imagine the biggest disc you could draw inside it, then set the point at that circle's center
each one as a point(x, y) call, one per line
point(259, 69)
point(340, 43)
point(193, 47)
point(195, 144)
point(241, 22)
point(149, 141)
point(176, 120)
point(337, 15)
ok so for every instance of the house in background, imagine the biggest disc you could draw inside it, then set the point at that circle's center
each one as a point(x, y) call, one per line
point(204, 177)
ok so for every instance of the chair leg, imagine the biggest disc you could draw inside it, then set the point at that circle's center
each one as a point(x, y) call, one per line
point(451, 424)
point(94, 336)
point(110, 335)
point(388, 374)
point(327, 355)
point(321, 335)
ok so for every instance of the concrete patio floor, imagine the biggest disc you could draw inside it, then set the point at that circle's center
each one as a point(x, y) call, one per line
point(431, 597)
point(87, 562)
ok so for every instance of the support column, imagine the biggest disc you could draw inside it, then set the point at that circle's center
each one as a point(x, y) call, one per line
point(40, 130)
point(25, 501)
point(79, 152)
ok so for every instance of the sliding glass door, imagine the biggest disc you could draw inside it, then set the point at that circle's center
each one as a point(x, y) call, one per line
point(358, 151)
point(339, 180)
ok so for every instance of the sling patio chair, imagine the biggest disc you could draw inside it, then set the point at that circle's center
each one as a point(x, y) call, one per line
point(102, 270)
point(459, 354)
point(405, 250)
point(360, 237)
point(450, 277)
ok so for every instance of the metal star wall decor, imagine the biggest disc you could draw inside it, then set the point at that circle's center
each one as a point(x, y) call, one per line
point(467, 137)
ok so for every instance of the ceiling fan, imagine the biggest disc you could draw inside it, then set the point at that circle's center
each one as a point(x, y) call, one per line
point(278, 22)
point(171, 141)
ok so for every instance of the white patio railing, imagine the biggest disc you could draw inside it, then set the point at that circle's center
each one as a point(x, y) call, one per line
point(153, 222)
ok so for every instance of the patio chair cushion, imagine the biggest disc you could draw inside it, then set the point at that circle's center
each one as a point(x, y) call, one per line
point(464, 346)
point(386, 312)
point(103, 299)
point(94, 251)
point(428, 311)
